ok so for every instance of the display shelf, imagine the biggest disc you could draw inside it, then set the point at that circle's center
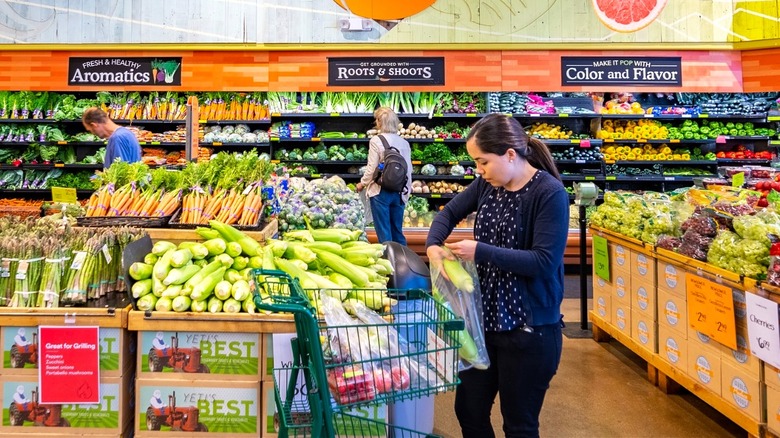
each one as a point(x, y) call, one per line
point(754, 117)
point(611, 141)
point(442, 177)
point(553, 116)
point(270, 230)
point(318, 162)
point(75, 166)
point(210, 322)
point(746, 162)
point(235, 122)
point(667, 371)
point(218, 144)
point(33, 316)
point(81, 193)
point(664, 162)
point(178, 144)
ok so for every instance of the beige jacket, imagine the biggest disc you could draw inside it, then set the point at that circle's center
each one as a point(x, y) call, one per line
point(375, 151)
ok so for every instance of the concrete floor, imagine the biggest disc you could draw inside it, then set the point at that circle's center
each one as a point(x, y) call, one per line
point(601, 390)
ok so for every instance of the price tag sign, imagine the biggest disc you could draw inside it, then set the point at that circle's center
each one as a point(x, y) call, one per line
point(69, 365)
point(435, 195)
point(471, 115)
point(563, 115)
point(763, 328)
point(585, 143)
point(686, 116)
point(63, 195)
point(334, 114)
point(738, 179)
point(674, 140)
point(711, 310)
point(62, 142)
point(59, 164)
point(601, 257)
point(468, 176)
point(610, 178)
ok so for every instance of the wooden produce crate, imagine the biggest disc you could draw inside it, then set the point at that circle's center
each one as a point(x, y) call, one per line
point(117, 348)
point(111, 417)
point(210, 322)
point(210, 408)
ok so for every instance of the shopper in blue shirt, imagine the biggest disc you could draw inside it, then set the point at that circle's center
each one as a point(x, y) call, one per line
point(520, 234)
point(122, 143)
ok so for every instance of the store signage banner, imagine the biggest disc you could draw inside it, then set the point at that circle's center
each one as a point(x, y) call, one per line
point(763, 328)
point(124, 71)
point(69, 364)
point(387, 71)
point(633, 71)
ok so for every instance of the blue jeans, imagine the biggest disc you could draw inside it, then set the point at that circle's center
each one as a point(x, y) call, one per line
point(522, 365)
point(387, 209)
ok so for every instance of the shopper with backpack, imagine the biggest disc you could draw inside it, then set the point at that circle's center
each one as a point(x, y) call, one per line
point(388, 177)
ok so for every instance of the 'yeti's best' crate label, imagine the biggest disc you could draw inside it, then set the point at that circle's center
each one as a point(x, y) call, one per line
point(20, 347)
point(195, 352)
point(232, 410)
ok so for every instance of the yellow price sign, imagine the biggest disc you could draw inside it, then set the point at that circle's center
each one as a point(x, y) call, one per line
point(63, 195)
point(711, 309)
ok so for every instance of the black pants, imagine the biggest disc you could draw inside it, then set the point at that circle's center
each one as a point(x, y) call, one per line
point(521, 367)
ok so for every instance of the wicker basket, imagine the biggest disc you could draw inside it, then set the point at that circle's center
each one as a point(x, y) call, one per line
point(126, 221)
point(21, 211)
point(174, 223)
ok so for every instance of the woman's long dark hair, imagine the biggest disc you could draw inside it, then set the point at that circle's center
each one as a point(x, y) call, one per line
point(497, 133)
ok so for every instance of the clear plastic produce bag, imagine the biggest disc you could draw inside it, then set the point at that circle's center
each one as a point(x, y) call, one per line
point(462, 295)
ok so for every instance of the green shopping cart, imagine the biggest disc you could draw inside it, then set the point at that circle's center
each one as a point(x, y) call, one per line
point(339, 367)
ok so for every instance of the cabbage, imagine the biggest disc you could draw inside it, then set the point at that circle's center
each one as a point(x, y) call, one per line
point(457, 170)
point(428, 169)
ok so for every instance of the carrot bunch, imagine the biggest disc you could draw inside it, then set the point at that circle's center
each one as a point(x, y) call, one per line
point(237, 106)
point(128, 200)
point(227, 206)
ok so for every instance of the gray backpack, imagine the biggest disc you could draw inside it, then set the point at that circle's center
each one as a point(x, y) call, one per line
point(391, 174)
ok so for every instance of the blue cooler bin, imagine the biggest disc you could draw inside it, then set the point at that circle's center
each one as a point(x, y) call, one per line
point(410, 272)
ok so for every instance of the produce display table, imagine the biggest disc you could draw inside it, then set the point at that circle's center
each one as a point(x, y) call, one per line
point(214, 367)
point(112, 417)
point(649, 307)
point(415, 239)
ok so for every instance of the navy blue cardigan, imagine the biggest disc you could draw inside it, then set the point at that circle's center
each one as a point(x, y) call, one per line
point(544, 225)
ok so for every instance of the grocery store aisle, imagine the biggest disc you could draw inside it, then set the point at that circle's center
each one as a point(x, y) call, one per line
point(601, 390)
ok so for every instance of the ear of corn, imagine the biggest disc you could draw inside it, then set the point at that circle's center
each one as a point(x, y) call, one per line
point(458, 275)
point(141, 288)
point(161, 247)
point(355, 274)
point(181, 275)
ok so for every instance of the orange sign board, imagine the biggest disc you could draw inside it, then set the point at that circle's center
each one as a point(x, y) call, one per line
point(711, 310)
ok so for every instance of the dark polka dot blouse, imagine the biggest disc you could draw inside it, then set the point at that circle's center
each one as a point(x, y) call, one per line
point(496, 225)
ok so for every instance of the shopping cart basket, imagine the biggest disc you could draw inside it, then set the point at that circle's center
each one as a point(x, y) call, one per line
point(336, 368)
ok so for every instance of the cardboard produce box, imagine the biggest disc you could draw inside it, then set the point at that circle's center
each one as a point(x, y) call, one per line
point(112, 416)
point(742, 391)
point(219, 408)
point(673, 311)
point(673, 347)
point(704, 366)
point(773, 409)
point(621, 317)
point(182, 354)
point(643, 267)
point(671, 278)
point(19, 346)
point(643, 298)
point(621, 290)
point(620, 258)
point(644, 331)
point(602, 304)
point(771, 376)
point(741, 358)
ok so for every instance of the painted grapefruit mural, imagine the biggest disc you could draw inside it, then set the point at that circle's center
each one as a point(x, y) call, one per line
point(628, 15)
point(384, 9)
